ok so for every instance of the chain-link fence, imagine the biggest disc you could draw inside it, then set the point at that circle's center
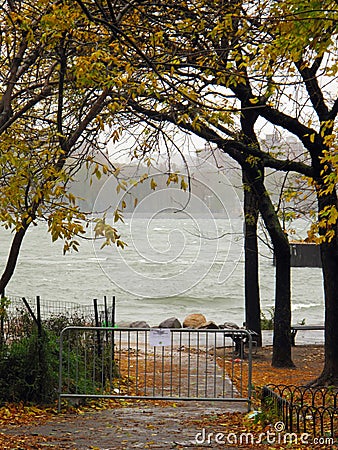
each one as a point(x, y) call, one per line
point(18, 315)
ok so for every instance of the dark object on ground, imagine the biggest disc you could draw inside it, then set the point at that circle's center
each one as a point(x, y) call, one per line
point(229, 325)
point(209, 326)
point(139, 324)
point(172, 322)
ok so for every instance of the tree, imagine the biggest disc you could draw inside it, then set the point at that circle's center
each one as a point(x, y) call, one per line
point(202, 65)
point(278, 60)
point(258, 51)
point(50, 116)
point(182, 82)
point(302, 49)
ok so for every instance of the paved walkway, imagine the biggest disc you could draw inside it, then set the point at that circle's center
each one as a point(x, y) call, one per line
point(141, 426)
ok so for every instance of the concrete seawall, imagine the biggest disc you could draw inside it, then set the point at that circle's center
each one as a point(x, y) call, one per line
point(306, 337)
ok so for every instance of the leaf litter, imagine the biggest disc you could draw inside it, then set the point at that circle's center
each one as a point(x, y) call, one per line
point(36, 427)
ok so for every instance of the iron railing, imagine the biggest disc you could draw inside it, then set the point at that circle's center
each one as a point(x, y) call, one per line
point(304, 409)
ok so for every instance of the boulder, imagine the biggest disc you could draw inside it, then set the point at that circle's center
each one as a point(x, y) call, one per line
point(139, 324)
point(172, 322)
point(208, 326)
point(194, 321)
point(122, 325)
point(230, 325)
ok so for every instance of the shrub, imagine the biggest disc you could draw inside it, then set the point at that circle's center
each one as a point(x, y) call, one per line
point(268, 322)
point(29, 369)
point(29, 363)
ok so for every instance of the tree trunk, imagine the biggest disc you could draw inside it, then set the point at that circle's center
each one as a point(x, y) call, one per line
point(13, 257)
point(251, 278)
point(251, 212)
point(329, 375)
point(281, 356)
point(253, 172)
point(329, 254)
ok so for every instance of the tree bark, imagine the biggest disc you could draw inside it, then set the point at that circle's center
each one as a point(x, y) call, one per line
point(251, 213)
point(329, 254)
point(281, 356)
point(251, 271)
point(13, 257)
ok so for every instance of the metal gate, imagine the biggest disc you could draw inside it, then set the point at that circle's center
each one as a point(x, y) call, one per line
point(175, 364)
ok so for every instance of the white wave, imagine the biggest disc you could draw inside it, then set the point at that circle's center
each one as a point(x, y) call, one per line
point(96, 259)
point(298, 306)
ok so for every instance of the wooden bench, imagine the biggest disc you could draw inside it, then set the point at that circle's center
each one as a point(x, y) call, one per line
point(296, 328)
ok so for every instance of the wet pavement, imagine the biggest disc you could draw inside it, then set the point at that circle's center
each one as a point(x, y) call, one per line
point(139, 426)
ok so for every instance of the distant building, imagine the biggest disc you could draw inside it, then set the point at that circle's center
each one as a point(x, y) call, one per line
point(289, 145)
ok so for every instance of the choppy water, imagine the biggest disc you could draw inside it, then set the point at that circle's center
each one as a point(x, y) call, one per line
point(171, 267)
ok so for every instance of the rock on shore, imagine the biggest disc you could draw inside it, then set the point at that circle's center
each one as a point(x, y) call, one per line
point(193, 321)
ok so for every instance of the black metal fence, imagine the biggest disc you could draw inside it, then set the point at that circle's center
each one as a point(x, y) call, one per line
point(304, 409)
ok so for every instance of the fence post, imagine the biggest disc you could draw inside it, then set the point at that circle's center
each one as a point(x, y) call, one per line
point(38, 316)
point(106, 316)
point(30, 311)
point(113, 326)
point(60, 369)
point(97, 324)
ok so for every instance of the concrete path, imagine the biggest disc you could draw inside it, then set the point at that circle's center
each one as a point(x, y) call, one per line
point(140, 426)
